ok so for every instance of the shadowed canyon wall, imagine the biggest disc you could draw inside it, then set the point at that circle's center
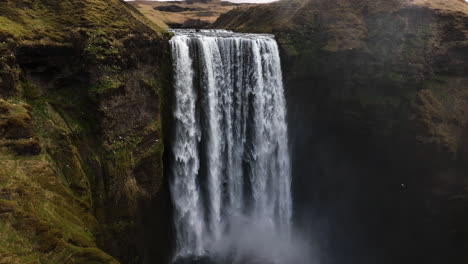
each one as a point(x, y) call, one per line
point(377, 95)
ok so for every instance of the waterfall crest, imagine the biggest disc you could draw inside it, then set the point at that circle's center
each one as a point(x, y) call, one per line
point(230, 148)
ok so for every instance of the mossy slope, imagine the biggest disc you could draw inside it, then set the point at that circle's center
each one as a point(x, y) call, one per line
point(81, 138)
point(56, 21)
point(42, 220)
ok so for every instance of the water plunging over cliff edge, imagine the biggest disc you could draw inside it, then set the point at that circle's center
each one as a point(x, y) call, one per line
point(230, 181)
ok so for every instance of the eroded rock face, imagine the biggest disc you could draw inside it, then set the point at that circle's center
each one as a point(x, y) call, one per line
point(81, 110)
point(377, 94)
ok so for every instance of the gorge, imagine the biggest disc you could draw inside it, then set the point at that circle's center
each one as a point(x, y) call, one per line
point(123, 142)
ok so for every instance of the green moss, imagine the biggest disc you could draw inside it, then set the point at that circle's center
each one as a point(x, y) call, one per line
point(10, 28)
point(43, 220)
point(15, 248)
point(72, 106)
point(101, 47)
point(52, 218)
point(104, 85)
point(168, 35)
point(48, 21)
point(89, 256)
point(30, 90)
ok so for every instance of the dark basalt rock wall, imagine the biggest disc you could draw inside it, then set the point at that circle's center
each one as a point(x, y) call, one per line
point(377, 94)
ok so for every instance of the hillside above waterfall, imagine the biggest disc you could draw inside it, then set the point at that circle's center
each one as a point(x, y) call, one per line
point(60, 21)
point(346, 23)
point(286, 13)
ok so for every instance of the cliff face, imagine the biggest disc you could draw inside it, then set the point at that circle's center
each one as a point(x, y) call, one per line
point(82, 86)
point(378, 94)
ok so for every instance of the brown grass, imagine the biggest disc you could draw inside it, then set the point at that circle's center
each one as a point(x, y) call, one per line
point(208, 12)
point(445, 5)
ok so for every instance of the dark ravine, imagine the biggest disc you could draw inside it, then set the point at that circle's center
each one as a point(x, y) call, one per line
point(377, 95)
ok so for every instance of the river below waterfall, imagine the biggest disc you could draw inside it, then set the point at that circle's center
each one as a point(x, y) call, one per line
point(230, 182)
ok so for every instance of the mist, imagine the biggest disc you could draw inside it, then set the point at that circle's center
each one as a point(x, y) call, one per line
point(252, 241)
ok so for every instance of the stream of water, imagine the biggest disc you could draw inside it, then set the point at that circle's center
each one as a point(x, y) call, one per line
point(230, 182)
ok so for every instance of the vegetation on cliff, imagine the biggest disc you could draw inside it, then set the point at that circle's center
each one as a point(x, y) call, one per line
point(81, 142)
point(82, 91)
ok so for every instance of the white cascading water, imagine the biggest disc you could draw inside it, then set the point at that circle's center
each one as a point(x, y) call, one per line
point(230, 147)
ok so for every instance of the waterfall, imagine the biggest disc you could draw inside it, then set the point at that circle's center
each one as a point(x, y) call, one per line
point(230, 145)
